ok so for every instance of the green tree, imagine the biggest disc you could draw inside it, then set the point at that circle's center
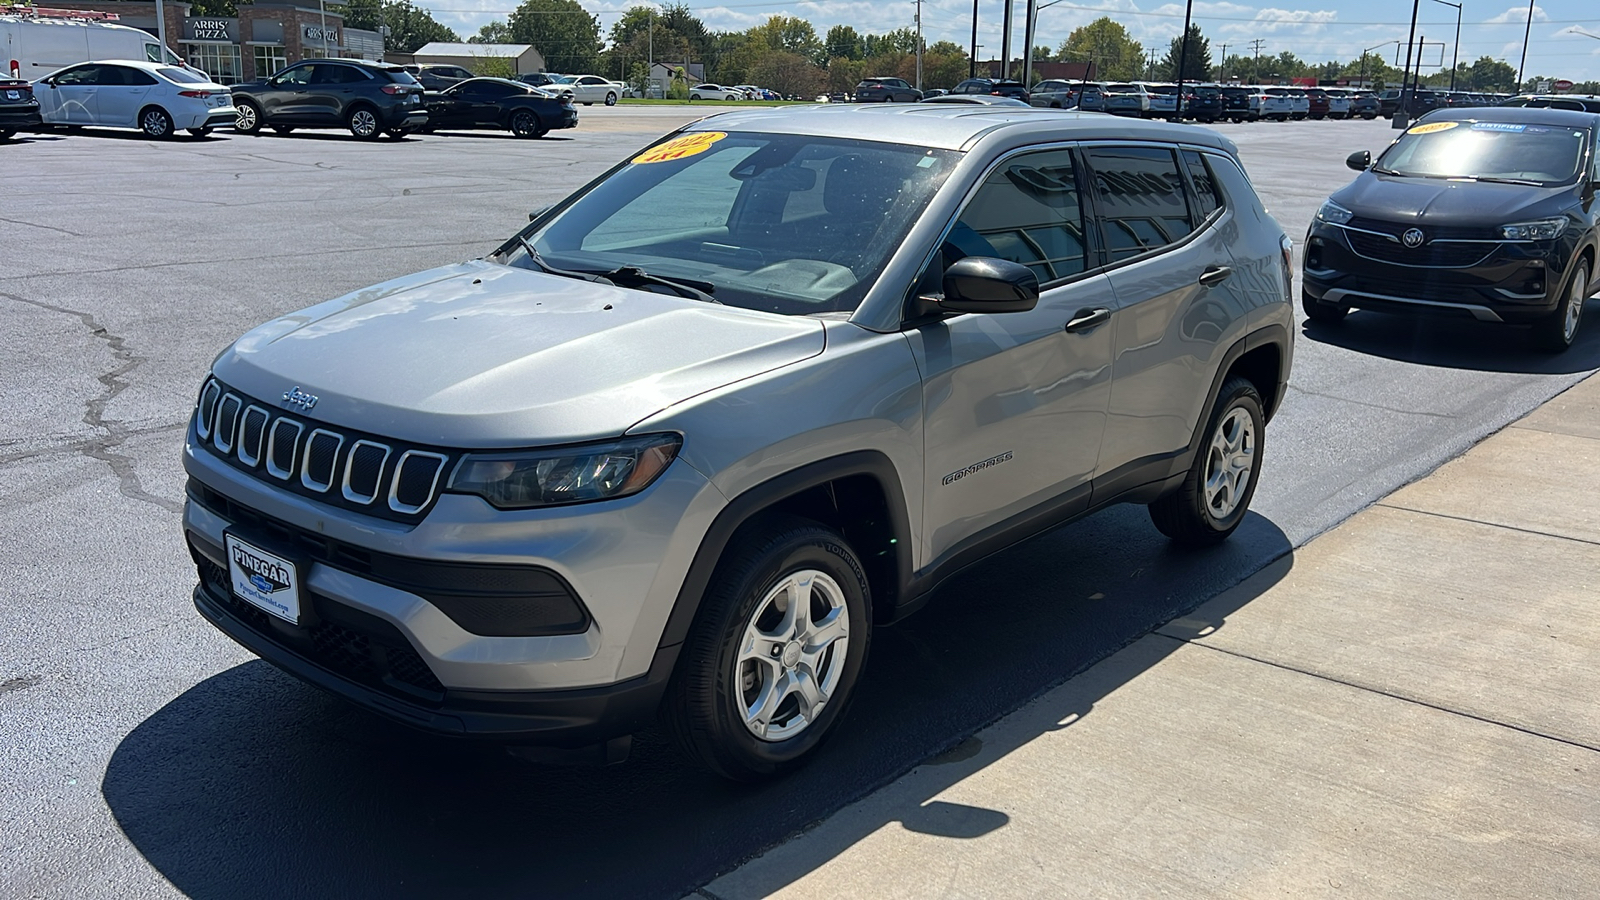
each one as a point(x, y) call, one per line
point(221, 9)
point(1117, 56)
point(495, 32)
point(943, 65)
point(843, 42)
point(1196, 61)
point(409, 26)
point(563, 32)
point(790, 74)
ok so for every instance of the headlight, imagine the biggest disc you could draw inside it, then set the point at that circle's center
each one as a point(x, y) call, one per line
point(1333, 213)
point(561, 475)
point(1542, 230)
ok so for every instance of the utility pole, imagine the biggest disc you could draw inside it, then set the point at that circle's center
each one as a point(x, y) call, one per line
point(650, 56)
point(1183, 61)
point(161, 29)
point(1005, 41)
point(1027, 43)
point(1255, 67)
point(972, 61)
point(1222, 68)
point(919, 45)
point(1402, 112)
point(1525, 32)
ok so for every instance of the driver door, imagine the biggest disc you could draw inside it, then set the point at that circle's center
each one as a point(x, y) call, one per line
point(286, 102)
point(1015, 404)
point(70, 98)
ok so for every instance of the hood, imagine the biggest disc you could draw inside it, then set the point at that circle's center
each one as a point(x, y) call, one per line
point(1436, 201)
point(479, 355)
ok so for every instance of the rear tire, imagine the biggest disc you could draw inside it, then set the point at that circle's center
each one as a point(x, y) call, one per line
point(525, 124)
point(155, 123)
point(1555, 333)
point(7, 134)
point(283, 129)
point(1216, 493)
point(1322, 313)
point(249, 118)
point(763, 679)
point(611, 99)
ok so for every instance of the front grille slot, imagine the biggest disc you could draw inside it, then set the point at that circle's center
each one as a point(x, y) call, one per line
point(310, 459)
point(283, 448)
point(227, 419)
point(321, 457)
point(364, 471)
point(252, 434)
point(416, 476)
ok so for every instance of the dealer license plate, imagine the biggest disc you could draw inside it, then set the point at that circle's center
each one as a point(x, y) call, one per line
point(264, 579)
point(13, 95)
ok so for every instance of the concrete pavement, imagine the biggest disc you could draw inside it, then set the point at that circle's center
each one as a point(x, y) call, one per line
point(1403, 707)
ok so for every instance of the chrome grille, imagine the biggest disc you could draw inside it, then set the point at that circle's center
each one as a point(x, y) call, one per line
point(372, 475)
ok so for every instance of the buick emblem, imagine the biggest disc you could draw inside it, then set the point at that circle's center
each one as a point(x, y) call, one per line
point(1412, 238)
point(296, 397)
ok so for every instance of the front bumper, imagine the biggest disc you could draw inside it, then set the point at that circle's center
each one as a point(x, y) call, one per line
point(1511, 282)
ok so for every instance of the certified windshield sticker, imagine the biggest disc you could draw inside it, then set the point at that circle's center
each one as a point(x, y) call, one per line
point(1432, 127)
point(680, 147)
point(1499, 126)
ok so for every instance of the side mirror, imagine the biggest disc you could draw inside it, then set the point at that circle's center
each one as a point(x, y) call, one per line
point(1361, 160)
point(981, 284)
point(534, 216)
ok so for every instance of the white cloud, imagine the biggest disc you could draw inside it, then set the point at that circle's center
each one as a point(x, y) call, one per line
point(1518, 15)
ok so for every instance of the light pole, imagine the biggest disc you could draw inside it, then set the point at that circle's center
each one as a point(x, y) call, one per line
point(1033, 23)
point(1364, 59)
point(1402, 114)
point(1526, 30)
point(1183, 60)
point(1576, 30)
point(972, 61)
point(1455, 51)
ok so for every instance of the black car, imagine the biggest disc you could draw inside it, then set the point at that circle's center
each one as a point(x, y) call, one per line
point(19, 109)
point(521, 109)
point(886, 90)
point(1238, 103)
point(1487, 213)
point(1202, 102)
point(1555, 101)
point(438, 77)
point(997, 87)
point(1365, 105)
point(369, 98)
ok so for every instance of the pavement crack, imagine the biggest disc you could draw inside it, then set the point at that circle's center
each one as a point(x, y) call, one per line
point(1382, 693)
point(114, 382)
point(1364, 403)
point(44, 227)
point(1532, 531)
point(18, 684)
point(78, 445)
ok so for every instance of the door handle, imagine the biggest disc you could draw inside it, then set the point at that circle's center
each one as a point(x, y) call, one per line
point(1086, 319)
point(1215, 275)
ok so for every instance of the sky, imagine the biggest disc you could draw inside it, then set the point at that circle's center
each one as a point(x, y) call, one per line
point(1315, 32)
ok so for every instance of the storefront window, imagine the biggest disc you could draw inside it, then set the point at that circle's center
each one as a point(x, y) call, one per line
point(269, 61)
point(220, 61)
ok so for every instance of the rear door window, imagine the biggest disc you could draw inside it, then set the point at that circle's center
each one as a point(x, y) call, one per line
point(1140, 199)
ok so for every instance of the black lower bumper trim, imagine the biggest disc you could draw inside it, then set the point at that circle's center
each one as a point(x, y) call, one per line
point(569, 718)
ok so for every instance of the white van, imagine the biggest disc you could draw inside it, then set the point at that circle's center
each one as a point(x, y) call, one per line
point(32, 48)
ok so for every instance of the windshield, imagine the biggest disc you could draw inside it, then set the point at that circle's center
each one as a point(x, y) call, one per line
point(792, 224)
point(1121, 89)
point(1162, 88)
point(1544, 154)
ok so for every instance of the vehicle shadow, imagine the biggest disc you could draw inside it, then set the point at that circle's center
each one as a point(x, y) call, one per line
point(251, 784)
point(1460, 343)
point(131, 134)
point(492, 134)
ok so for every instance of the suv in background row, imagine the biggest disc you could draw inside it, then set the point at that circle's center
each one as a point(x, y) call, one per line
point(649, 472)
point(886, 90)
point(438, 77)
point(369, 98)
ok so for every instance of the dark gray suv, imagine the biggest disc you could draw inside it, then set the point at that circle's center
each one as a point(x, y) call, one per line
point(684, 441)
point(369, 98)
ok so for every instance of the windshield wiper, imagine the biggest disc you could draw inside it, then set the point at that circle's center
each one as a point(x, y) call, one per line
point(1382, 171)
point(633, 277)
point(1492, 180)
point(536, 259)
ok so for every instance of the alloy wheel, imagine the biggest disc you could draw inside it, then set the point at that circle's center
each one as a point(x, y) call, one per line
point(363, 123)
point(1580, 291)
point(246, 120)
point(155, 123)
point(792, 655)
point(1230, 461)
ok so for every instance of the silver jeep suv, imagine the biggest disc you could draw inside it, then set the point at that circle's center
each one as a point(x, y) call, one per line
point(678, 447)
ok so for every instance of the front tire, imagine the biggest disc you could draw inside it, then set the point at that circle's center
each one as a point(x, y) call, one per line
point(1216, 493)
point(694, 97)
point(249, 118)
point(363, 123)
point(1555, 333)
point(155, 123)
point(775, 651)
point(284, 130)
point(200, 132)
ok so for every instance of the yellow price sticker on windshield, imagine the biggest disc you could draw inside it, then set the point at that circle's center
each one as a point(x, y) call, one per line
point(681, 147)
point(1432, 127)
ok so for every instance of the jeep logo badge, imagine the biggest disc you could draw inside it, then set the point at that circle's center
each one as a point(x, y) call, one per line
point(296, 397)
point(1412, 238)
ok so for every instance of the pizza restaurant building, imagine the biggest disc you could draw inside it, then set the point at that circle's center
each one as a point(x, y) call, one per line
point(262, 39)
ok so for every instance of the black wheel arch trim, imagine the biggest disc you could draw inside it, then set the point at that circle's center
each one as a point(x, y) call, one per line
point(757, 499)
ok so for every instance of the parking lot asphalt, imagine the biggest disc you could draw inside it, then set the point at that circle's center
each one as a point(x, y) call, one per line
point(146, 755)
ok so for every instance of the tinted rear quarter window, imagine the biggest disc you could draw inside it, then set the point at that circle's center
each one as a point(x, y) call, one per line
point(1140, 197)
point(1206, 192)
